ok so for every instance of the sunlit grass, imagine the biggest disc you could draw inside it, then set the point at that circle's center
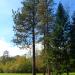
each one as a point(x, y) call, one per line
point(29, 74)
point(18, 74)
point(69, 74)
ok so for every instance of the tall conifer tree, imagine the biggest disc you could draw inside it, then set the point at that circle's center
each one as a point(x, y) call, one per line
point(25, 24)
point(45, 27)
point(61, 22)
point(73, 36)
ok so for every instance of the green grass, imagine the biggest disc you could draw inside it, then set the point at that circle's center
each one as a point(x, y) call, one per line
point(69, 74)
point(13, 74)
point(17, 74)
point(27, 74)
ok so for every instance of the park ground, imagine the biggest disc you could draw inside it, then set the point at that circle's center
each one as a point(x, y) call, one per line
point(27, 74)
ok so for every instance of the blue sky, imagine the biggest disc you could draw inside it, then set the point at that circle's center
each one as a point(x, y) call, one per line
point(6, 21)
point(6, 27)
point(68, 4)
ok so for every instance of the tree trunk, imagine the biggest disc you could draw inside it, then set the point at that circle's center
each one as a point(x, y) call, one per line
point(44, 72)
point(67, 72)
point(67, 63)
point(49, 72)
point(33, 38)
point(33, 66)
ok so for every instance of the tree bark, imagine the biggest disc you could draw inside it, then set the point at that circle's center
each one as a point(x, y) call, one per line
point(44, 72)
point(33, 66)
point(33, 38)
point(48, 69)
point(67, 72)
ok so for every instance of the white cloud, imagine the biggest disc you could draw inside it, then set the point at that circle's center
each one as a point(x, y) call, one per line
point(14, 50)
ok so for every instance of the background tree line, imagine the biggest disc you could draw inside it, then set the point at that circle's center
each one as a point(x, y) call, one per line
point(20, 64)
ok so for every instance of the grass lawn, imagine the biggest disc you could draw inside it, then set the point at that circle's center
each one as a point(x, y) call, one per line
point(27, 74)
point(17, 74)
point(13, 74)
point(69, 74)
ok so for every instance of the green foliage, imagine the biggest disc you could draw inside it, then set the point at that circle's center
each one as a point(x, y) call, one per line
point(18, 64)
point(61, 21)
point(21, 64)
point(73, 37)
point(23, 20)
point(44, 27)
point(61, 47)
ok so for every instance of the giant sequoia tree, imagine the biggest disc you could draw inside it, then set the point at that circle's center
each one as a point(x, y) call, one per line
point(25, 23)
